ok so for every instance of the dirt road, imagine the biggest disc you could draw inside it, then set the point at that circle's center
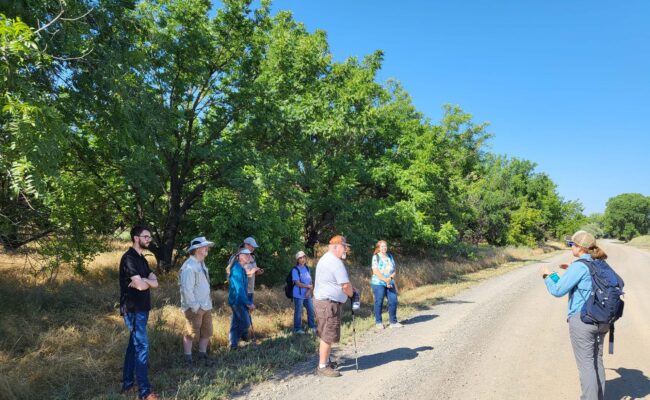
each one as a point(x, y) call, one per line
point(506, 338)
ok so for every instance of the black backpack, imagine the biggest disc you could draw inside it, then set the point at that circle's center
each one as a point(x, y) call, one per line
point(604, 305)
point(288, 285)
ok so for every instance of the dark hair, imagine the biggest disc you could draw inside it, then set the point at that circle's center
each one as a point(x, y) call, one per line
point(137, 230)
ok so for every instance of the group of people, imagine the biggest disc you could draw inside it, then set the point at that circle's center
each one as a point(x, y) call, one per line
point(323, 299)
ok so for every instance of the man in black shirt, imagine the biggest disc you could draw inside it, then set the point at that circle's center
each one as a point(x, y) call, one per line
point(135, 302)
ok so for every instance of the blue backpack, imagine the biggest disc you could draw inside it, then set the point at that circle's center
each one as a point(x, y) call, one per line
point(604, 305)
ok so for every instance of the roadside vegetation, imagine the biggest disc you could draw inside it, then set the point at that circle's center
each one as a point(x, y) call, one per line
point(642, 242)
point(66, 340)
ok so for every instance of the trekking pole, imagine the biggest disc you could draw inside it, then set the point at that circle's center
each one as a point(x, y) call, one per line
point(253, 337)
point(354, 339)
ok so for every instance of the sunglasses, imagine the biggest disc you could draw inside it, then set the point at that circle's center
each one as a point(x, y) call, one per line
point(569, 243)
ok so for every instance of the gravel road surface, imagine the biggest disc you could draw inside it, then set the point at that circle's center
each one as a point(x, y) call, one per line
point(506, 338)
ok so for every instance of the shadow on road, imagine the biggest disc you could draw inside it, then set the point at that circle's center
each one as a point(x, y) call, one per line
point(419, 318)
point(631, 383)
point(378, 359)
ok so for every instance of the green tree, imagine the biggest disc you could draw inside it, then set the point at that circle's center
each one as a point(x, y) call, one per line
point(626, 216)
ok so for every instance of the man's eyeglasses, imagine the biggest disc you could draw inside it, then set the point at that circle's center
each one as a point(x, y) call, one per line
point(145, 237)
point(569, 243)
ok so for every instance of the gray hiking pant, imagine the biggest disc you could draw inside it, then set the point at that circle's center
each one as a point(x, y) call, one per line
point(587, 342)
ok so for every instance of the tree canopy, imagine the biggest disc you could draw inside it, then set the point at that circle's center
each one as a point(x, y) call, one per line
point(235, 123)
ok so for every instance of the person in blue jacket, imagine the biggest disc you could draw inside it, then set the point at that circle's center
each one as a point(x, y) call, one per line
point(586, 339)
point(238, 299)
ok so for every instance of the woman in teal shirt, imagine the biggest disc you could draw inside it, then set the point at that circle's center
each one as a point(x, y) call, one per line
point(383, 284)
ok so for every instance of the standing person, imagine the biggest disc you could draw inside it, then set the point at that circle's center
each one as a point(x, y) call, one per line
point(135, 303)
point(251, 267)
point(196, 303)
point(332, 289)
point(238, 299)
point(383, 284)
point(586, 339)
point(302, 293)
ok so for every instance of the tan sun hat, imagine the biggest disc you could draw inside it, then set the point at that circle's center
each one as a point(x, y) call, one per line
point(584, 239)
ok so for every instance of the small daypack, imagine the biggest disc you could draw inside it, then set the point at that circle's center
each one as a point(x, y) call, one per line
point(604, 305)
point(288, 286)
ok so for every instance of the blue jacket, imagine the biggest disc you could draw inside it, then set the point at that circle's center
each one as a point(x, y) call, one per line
point(238, 282)
point(576, 281)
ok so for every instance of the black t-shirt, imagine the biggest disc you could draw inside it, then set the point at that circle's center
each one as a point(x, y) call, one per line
point(132, 264)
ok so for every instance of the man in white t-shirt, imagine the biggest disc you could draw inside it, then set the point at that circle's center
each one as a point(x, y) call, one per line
point(332, 288)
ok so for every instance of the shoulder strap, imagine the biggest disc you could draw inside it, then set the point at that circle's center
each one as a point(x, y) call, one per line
point(591, 273)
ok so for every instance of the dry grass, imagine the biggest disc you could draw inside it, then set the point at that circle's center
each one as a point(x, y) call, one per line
point(66, 340)
point(642, 242)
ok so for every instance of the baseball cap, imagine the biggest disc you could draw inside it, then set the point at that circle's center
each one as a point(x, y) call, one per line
point(338, 239)
point(244, 251)
point(251, 241)
point(584, 239)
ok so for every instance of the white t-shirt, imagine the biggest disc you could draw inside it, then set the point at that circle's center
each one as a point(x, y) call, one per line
point(330, 275)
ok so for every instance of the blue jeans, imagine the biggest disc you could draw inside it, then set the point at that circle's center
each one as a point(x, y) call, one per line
point(380, 292)
point(241, 320)
point(137, 353)
point(297, 313)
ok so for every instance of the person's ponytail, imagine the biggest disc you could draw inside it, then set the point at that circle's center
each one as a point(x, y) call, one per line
point(597, 253)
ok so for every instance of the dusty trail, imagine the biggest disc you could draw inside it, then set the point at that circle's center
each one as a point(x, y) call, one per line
point(506, 338)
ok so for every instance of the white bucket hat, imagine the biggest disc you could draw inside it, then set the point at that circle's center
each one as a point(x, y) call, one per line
point(200, 241)
point(251, 241)
point(300, 254)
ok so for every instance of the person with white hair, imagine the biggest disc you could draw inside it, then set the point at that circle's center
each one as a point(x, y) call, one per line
point(196, 303)
point(238, 299)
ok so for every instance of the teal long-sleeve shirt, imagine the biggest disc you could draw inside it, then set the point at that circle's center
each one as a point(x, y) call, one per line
point(576, 276)
point(237, 282)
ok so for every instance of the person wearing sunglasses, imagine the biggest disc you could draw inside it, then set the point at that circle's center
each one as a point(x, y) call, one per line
point(586, 339)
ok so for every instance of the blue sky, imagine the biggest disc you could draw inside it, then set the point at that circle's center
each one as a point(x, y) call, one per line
point(565, 84)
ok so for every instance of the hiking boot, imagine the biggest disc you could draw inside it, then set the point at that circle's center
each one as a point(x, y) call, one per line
point(396, 325)
point(379, 326)
point(151, 396)
point(328, 372)
point(205, 360)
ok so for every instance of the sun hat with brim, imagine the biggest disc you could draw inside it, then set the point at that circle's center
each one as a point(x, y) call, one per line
point(300, 254)
point(251, 241)
point(200, 241)
point(338, 239)
point(584, 239)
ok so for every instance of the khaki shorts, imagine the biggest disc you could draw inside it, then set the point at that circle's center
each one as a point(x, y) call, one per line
point(328, 320)
point(198, 324)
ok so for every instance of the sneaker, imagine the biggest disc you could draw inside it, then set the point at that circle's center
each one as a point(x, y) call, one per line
point(379, 326)
point(328, 372)
point(133, 390)
point(396, 325)
point(299, 332)
point(151, 396)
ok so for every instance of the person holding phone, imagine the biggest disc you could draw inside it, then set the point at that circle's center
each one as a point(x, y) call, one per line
point(382, 283)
